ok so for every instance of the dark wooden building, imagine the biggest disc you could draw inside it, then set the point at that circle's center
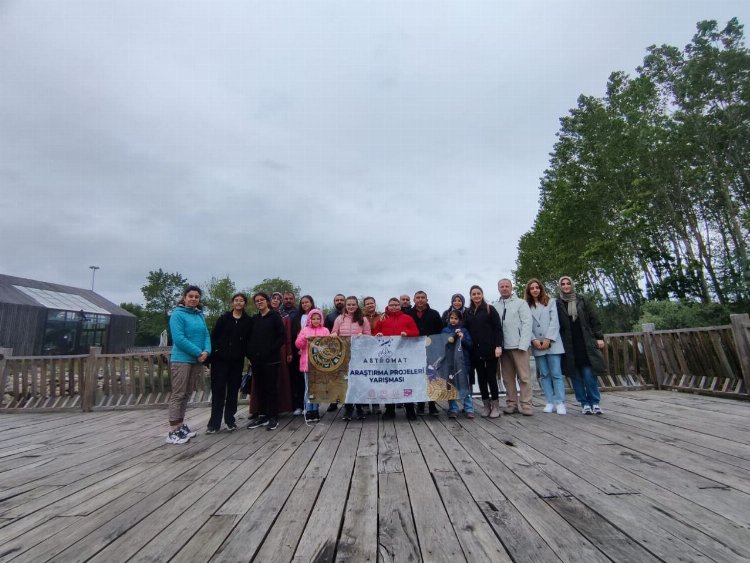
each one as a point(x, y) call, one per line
point(39, 318)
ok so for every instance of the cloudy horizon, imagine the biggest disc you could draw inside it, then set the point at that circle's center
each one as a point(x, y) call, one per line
point(367, 148)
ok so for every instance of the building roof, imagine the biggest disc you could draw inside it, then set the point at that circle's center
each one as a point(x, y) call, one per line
point(35, 293)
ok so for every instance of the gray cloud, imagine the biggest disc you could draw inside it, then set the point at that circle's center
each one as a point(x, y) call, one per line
point(361, 147)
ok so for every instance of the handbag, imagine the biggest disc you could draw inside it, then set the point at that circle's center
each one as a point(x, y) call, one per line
point(247, 380)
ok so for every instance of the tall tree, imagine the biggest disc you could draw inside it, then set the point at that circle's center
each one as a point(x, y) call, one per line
point(162, 292)
point(217, 298)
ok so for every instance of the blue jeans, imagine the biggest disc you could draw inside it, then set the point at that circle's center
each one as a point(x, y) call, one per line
point(309, 407)
point(468, 404)
point(550, 368)
point(586, 386)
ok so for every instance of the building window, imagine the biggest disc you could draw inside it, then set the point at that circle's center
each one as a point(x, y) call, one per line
point(70, 332)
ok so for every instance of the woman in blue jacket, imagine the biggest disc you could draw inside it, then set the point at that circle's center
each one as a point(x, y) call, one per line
point(191, 345)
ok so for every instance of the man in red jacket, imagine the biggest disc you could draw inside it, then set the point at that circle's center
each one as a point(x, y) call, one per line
point(397, 323)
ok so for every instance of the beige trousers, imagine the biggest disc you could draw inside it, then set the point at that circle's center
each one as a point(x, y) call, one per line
point(515, 364)
point(184, 378)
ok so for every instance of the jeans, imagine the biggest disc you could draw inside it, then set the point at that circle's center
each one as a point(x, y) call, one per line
point(586, 386)
point(309, 407)
point(550, 368)
point(468, 404)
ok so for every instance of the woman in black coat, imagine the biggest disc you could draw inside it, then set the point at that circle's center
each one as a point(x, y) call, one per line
point(228, 342)
point(483, 323)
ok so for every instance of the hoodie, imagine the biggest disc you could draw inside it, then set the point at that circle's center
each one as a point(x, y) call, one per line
point(308, 332)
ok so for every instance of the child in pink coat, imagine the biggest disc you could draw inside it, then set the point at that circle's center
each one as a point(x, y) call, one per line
point(313, 327)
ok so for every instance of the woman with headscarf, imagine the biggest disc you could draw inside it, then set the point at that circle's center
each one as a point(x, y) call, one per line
point(458, 303)
point(583, 341)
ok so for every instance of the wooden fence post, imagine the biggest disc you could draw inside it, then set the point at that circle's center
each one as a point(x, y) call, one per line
point(88, 383)
point(739, 324)
point(652, 354)
point(5, 353)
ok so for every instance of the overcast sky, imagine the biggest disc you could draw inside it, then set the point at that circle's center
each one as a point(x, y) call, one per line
point(362, 147)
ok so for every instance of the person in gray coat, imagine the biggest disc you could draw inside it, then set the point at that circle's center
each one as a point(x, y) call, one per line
point(583, 341)
point(514, 361)
point(546, 345)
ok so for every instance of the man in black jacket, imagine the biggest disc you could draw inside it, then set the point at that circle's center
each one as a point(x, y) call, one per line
point(428, 322)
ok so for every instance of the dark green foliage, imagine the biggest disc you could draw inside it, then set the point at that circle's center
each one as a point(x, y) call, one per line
point(682, 314)
point(647, 195)
point(148, 325)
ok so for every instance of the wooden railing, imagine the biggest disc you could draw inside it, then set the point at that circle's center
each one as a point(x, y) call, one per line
point(91, 381)
point(712, 360)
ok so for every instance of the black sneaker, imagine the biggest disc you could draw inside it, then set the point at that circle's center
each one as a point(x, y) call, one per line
point(258, 422)
point(232, 426)
point(211, 430)
point(420, 409)
point(272, 424)
point(333, 407)
point(410, 413)
point(361, 414)
point(347, 415)
point(433, 409)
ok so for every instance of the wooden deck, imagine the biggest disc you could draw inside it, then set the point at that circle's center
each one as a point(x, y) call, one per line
point(661, 476)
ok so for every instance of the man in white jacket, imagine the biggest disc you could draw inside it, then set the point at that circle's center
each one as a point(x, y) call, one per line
point(514, 362)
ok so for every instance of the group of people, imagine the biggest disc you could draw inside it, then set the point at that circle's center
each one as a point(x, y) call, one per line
point(563, 335)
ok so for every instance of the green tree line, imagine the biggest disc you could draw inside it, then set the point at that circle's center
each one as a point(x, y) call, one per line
point(162, 291)
point(647, 195)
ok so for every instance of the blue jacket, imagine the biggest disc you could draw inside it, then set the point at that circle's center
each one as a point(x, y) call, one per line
point(466, 344)
point(190, 335)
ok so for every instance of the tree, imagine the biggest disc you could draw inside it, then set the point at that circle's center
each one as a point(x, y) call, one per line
point(148, 325)
point(217, 298)
point(647, 195)
point(270, 285)
point(162, 292)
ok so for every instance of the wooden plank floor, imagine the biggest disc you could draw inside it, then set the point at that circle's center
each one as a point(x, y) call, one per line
point(659, 477)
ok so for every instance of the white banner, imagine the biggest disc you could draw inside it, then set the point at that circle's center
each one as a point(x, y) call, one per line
point(387, 369)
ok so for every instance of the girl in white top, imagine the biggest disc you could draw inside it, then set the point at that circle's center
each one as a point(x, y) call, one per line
point(546, 345)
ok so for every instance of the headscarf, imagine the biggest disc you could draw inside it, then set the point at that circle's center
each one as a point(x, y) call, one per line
point(569, 298)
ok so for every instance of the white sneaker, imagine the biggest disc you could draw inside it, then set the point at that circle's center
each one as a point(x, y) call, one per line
point(596, 409)
point(177, 437)
point(549, 407)
point(586, 409)
point(297, 412)
point(561, 408)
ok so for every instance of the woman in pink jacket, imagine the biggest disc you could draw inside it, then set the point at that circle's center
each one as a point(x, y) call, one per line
point(352, 323)
point(313, 327)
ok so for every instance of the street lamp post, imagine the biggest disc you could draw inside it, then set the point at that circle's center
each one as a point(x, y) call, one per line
point(93, 275)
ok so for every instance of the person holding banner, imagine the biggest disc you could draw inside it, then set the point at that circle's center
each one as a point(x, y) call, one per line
point(373, 316)
point(351, 323)
point(397, 323)
point(428, 322)
point(462, 339)
point(483, 322)
point(313, 327)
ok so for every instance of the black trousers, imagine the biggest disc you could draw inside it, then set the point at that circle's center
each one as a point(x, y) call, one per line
point(267, 387)
point(487, 377)
point(296, 384)
point(226, 376)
